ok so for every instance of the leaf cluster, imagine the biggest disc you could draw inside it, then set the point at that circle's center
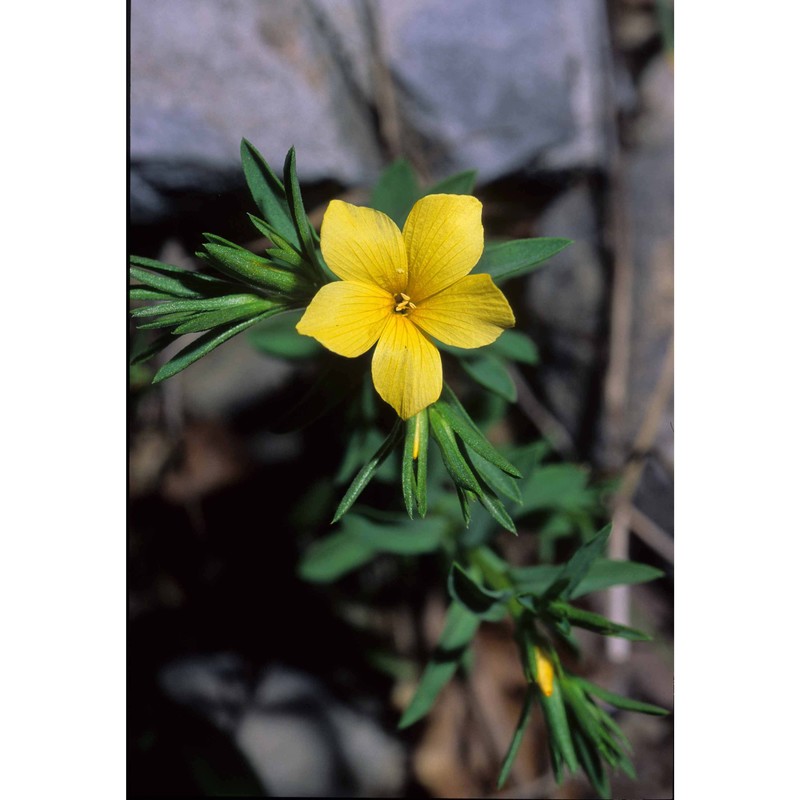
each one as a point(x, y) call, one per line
point(237, 288)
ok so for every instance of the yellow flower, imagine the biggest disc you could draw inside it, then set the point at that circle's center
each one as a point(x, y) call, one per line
point(400, 289)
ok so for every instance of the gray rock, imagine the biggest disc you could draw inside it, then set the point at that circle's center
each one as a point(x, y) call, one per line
point(493, 86)
point(566, 297)
point(205, 73)
point(299, 739)
point(502, 85)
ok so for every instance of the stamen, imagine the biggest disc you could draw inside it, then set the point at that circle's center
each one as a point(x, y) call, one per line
point(403, 303)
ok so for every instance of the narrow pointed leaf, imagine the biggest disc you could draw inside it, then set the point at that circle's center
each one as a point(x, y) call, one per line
point(460, 183)
point(178, 273)
point(596, 623)
point(268, 193)
point(619, 701)
point(454, 462)
point(408, 479)
point(558, 726)
point(212, 319)
point(518, 257)
point(144, 352)
point(476, 598)
point(368, 471)
point(396, 191)
point(515, 346)
point(267, 230)
point(574, 571)
point(243, 265)
point(205, 344)
point(457, 418)
point(206, 304)
point(490, 372)
point(516, 741)
point(336, 555)
point(460, 627)
point(297, 209)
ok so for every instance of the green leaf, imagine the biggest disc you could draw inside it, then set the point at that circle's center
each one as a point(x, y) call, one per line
point(141, 351)
point(460, 183)
point(268, 193)
point(245, 266)
point(211, 319)
point(368, 470)
point(457, 418)
point(519, 732)
point(558, 728)
point(205, 344)
point(195, 278)
point(454, 462)
point(330, 558)
point(490, 372)
point(460, 627)
point(573, 572)
point(278, 336)
point(594, 622)
point(175, 285)
point(500, 481)
point(618, 701)
point(400, 537)
point(485, 603)
point(493, 505)
point(396, 191)
point(510, 259)
point(602, 574)
point(408, 477)
point(297, 209)
point(555, 486)
point(592, 764)
point(515, 346)
point(280, 244)
point(207, 304)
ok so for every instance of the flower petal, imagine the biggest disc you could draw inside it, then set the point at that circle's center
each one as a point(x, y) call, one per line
point(472, 312)
point(347, 317)
point(406, 367)
point(364, 245)
point(444, 239)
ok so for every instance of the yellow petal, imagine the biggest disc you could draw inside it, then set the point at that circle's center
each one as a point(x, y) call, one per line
point(406, 367)
point(544, 672)
point(364, 245)
point(472, 312)
point(444, 240)
point(347, 317)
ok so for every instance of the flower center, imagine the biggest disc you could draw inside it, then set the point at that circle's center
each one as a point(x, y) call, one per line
point(403, 304)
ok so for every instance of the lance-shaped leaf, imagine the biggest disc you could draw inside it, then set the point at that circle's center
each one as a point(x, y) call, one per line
point(591, 621)
point(330, 558)
point(268, 193)
point(454, 462)
point(515, 346)
point(518, 257)
point(460, 183)
point(142, 351)
point(421, 444)
point(241, 264)
point(490, 372)
point(460, 627)
point(205, 304)
point(366, 473)
point(204, 321)
point(519, 732)
point(198, 279)
point(278, 336)
point(619, 701)
point(280, 244)
point(396, 192)
point(485, 603)
point(457, 418)
point(180, 284)
point(573, 572)
point(206, 343)
point(602, 574)
point(297, 209)
point(558, 728)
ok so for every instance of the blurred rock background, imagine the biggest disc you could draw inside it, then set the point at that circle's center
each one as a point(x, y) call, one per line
point(565, 108)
